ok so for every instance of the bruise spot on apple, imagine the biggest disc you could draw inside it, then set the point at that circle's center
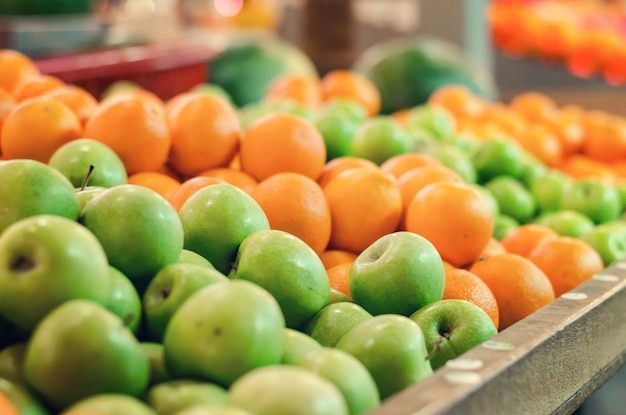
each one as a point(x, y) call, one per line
point(166, 292)
point(22, 264)
point(217, 331)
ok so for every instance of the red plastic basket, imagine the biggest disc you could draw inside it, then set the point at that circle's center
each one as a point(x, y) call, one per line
point(165, 69)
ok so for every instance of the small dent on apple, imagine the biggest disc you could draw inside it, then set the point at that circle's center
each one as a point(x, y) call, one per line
point(22, 263)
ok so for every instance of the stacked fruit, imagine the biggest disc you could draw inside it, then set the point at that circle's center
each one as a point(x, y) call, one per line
point(302, 254)
point(587, 36)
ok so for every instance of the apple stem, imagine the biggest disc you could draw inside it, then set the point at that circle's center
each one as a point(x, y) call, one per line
point(86, 178)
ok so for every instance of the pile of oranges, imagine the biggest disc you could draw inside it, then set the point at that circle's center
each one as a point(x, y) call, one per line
point(586, 36)
point(340, 206)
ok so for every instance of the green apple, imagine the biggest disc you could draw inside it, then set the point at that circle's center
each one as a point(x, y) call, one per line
point(329, 324)
point(84, 195)
point(498, 157)
point(437, 120)
point(489, 197)
point(110, 404)
point(75, 159)
point(597, 199)
point(154, 352)
point(214, 410)
point(398, 273)
point(223, 331)
point(138, 228)
point(567, 222)
point(456, 159)
point(297, 344)
point(514, 199)
point(451, 327)
point(532, 168)
point(124, 300)
point(32, 188)
point(288, 269)
point(23, 399)
point(190, 257)
point(338, 133)
point(345, 108)
point(281, 390)
point(216, 220)
point(168, 398)
point(392, 348)
point(81, 349)
point(46, 260)
point(419, 137)
point(212, 89)
point(169, 288)
point(609, 240)
point(337, 296)
point(347, 373)
point(12, 362)
point(379, 138)
point(502, 225)
point(548, 189)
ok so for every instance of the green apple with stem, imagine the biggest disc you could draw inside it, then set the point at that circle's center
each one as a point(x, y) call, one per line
point(46, 260)
point(223, 331)
point(169, 288)
point(548, 189)
point(283, 389)
point(216, 220)
point(124, 300)
point(398, 273)
point(32, 188)
point(110, 404)
point(451, 327)
point(347, 373)
point(379, 138)
point(392, 348)
point(175, 395)
point(329, 324)
point(287, 268)
point(74, 158)
point(296, 345)
point(597, 199)
point(81, 349)
point(140, 231)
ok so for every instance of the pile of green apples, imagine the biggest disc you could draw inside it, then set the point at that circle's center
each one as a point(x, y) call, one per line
point(112, 302)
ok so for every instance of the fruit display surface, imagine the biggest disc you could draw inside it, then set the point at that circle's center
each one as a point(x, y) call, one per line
point(192, 255)
point(584, 36)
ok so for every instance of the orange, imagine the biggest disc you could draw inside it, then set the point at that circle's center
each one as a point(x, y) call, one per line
point(455, 217)
point(187, 188)
point(459, 100)
point(338, 277)
point(36, 128)
point(296, 204)
point(539, 141)
point(519, 286)
point(365, 204)
point(463, 285)
point(606, 142)
point(233, 176)
point(6, 406)
point(340, 164)
point(524, 238)
point(569, 130)
point(205, 133)
point(6, 106)
point(401, 163)
point(416, 179)
point(136, 93)
point(15, 68)
point(347, 84)
point(36, 86)
point(135, 128)
point(401, 116)
point(299, 89)
point(566, 261)
point(332, 257)
point(161, 183)
point(493, 247)
point(534, 106)
point(581, 166)
point(77, 99)
point(282, 142)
